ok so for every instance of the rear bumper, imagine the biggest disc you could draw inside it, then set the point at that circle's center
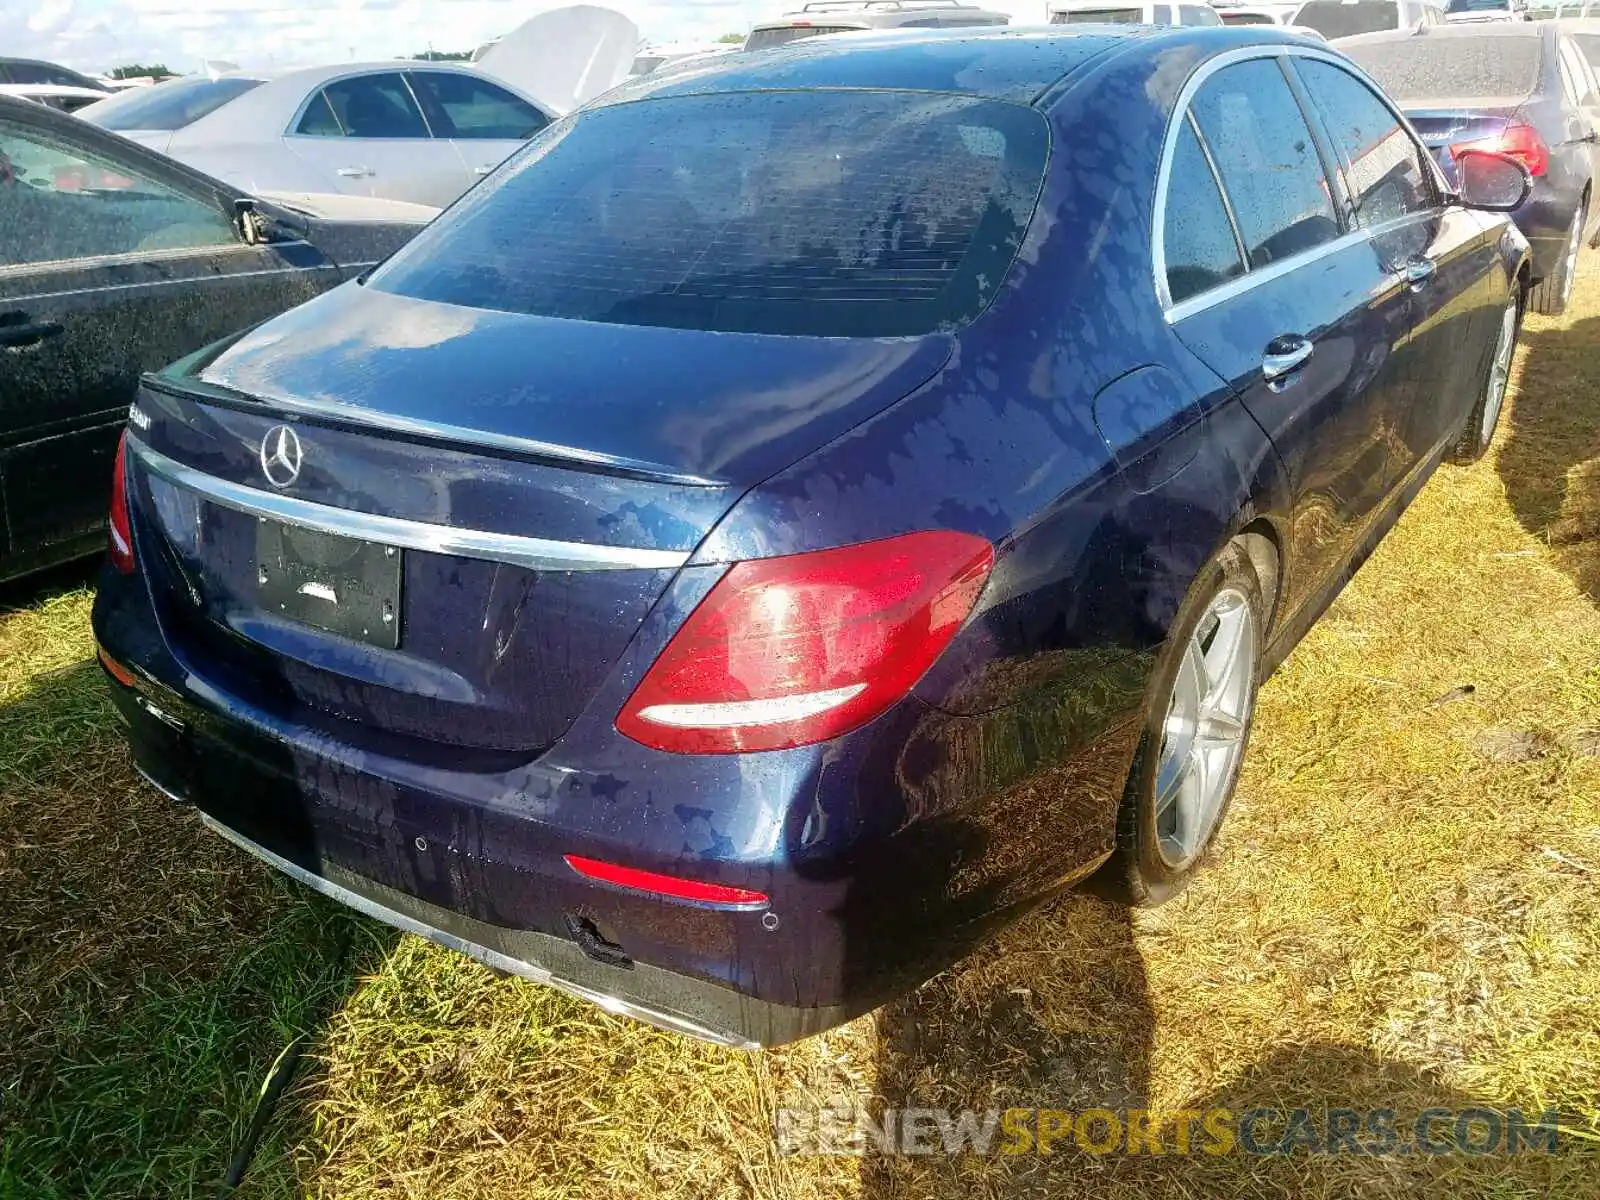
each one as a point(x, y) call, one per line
point(886, 855)
point(660, 998)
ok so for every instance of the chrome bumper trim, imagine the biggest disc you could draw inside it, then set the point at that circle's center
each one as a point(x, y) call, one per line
point(536, 554)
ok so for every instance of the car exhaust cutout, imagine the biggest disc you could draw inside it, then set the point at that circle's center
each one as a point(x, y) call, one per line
point(795, 650)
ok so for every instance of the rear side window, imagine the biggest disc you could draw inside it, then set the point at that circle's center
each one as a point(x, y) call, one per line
point(459, 106)
point(1337, 19)
point(1267, 159)
point(368, 106)
point(1477, 68)
point(1383, 167)
point(764, 39)
point(1194, 14)
point(173, 105)
point(856, 214)
point(1099, 16)
point(1197, 237)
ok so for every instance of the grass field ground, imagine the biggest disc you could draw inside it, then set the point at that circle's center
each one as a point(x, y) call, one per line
point(1405, 912)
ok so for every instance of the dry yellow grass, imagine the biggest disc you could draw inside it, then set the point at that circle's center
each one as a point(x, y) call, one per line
point(1405, 911)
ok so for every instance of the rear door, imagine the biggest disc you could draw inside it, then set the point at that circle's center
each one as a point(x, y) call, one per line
point(1446, 257)
point(366, 134)
point(1582, 118)
point(484, 122)
point(112, 265)
point(1312, 332)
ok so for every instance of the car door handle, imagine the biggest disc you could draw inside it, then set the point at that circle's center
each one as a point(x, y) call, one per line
point(483, 170)
point(17, 332)
point(1419, 271)
point(1285, 355)
point(354, 172)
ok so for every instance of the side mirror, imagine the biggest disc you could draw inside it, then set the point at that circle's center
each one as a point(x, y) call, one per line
point(1492, 182)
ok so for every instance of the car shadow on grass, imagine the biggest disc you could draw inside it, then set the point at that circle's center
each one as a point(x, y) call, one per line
point(1079, 1037)
point(150, 974)
point(1549, 460)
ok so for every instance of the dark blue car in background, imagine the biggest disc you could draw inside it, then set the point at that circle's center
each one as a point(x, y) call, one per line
point(806, 509)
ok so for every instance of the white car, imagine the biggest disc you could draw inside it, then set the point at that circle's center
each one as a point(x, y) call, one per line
point(1466, 12)
point(421, 132)
point(1101, 12)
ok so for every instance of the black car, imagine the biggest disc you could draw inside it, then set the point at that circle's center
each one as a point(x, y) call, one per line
point(1522, 90)
point(115, 260)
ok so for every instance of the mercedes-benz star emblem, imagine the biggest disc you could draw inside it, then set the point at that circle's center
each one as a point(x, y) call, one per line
point(280, 456)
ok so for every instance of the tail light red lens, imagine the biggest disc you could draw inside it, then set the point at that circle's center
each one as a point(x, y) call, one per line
point(121, 541)
point(794, 650)
point(666, 885)
point(1518, 141)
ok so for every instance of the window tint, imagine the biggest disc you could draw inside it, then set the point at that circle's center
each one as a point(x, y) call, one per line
point(172, 105)
point(1337, 18)
point(1197, 237)
point(462, 107)
point(1575, 74)
point(1267, 159)
point(763, 39)
point(854, 214)
point(1098, 16)
point(1161, 14)
point(1246, 18)
point(59, 202)
point(1193, 14)
point(368, 106)
point(1384, 171)
point(47, 73)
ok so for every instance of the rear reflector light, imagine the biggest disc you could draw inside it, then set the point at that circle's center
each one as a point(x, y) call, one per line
point(665, 885)
point(1521, 142)
point(121, 540)
point(795, 650)
point(115, 669)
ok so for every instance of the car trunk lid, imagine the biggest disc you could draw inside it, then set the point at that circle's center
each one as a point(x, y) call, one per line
point(517, 490)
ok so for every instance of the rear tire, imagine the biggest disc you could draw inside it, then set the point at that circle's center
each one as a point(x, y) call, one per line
point(1199, 708)
point(1479, 432)
point(1550, 296)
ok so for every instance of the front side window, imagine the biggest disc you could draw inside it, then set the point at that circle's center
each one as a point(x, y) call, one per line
point(1382, 164)
point(1267, 159)
point(462, 107)
point(367, 106)
point(1197, 236)
point(59, 201)
point(841, 214)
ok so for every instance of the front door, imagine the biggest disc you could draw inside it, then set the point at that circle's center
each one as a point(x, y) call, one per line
point(1446, 258)
point(1310, 326)
point(118, 267)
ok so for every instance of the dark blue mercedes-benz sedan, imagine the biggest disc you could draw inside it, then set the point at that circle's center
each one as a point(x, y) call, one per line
point(806, 509)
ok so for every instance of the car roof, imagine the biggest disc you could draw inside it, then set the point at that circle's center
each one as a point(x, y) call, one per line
point(1017, 63)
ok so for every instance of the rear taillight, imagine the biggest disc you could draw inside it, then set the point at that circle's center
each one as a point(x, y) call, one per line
point(795, 650)
point(1521, 142)
point(120, 547)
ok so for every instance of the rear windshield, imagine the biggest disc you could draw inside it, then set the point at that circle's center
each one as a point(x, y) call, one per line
point(169, 105)
point(1098, 16)
point(1247, 19)
point(1333, 19)
point(762, 39)
point(1451, 68)
point(1461, 6)
point(837, 214)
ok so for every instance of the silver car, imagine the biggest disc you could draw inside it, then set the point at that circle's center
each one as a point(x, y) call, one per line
point(421, 132)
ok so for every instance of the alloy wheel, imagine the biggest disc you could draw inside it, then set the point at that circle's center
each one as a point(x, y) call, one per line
point(1208, 717)
point(1499, 372)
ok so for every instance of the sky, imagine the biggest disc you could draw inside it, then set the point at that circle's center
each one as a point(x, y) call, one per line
point(96, 35)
